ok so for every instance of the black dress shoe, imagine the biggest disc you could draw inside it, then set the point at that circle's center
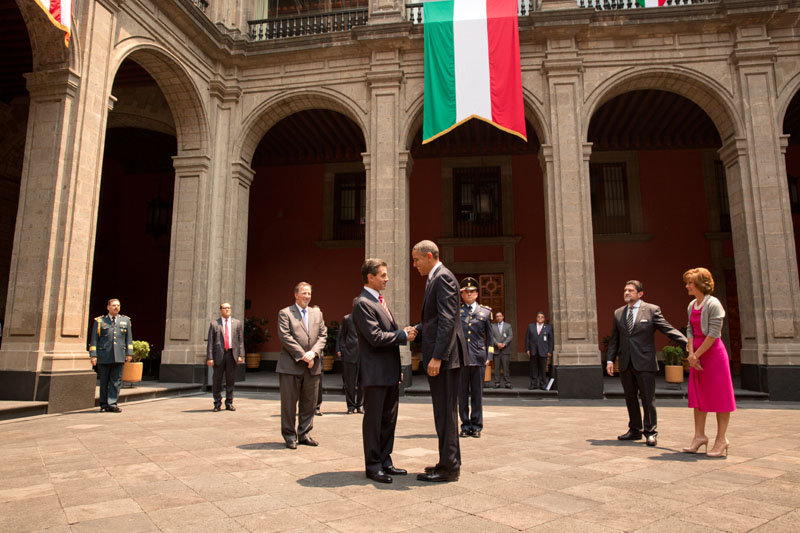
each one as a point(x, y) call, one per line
point(496, 385)
point(308, 441)
point(113, 409)
point(380, 476)
point(216, 409)
point(438, 476)
point(359, 410)
point(230, 407)
point(465, 433)
point(650, 440)
point(395, 471)
point(429, 469)
point(630, 435)
point(508, 385)
point(476, 433)
point(292, 445)
point(103, 409)
point(317, 412)
point(350, 411)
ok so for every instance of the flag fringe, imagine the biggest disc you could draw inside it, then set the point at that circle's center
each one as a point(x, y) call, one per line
point(491, 122)
point(56, 23)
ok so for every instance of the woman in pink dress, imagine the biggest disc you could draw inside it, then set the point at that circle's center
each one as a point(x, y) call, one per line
point(710, 386)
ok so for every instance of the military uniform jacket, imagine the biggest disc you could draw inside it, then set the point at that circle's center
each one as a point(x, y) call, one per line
point(111, 341)
point(477, 326)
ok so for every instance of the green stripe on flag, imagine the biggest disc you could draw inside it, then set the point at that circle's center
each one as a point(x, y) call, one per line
point(439, 112)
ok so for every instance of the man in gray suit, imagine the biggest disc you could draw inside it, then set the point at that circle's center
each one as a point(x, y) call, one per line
point(225, 349)
point(633, 340)
point(303, 334)
point(503, 334)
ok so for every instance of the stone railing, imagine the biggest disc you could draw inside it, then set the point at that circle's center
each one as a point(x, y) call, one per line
point(202, 5)
point(602, 5)
point(311, 24)
point(414, 12)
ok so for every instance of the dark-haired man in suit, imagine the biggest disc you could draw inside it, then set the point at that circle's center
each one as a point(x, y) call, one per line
point(379, 339)
point(225, 349)
point(347, 350)
point(633, 340)
point(443, 351)
point(539, 346)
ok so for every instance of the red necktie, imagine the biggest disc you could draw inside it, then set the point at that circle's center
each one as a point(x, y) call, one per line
point(385, 307)
point(227, 337)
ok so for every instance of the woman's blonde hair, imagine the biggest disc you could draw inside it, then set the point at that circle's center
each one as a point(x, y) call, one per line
point(701, 278)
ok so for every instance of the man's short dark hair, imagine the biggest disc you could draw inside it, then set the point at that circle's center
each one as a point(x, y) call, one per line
point(371, 266)
point(301, 285)
point(636, 283)
point(113, 300)
point(541, 313)
point(427, 247)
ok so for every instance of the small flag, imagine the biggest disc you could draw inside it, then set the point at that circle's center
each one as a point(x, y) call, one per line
point(472, 66)
point(650, 3)
point(60, 14)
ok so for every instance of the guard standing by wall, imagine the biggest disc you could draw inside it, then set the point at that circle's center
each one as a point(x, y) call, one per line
point(476, 321)
point(110, 347)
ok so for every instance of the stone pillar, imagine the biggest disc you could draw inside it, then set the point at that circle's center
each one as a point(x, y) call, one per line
point(183, 359)
point(44, 355)
point(568, 215)
point(386, 11)
point(387, 165)
point(762, 231)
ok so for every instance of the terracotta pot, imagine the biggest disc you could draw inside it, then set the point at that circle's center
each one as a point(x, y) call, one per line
point(416, 359)
point(673, 373)
point(132, 372)
point(327, 363)
point(252, 360)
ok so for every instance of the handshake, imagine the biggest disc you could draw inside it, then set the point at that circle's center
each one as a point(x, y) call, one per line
point(411, 333)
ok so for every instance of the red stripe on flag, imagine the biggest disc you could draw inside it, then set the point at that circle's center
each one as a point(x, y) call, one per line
point(505, 77)
point(55, 10)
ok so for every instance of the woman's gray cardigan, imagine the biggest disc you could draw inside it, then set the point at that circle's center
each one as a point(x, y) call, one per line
point(710, 318)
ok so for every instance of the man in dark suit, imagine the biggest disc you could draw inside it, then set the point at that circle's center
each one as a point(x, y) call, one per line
point(378, 342)
point(539, 346)
point(347, 350)
point(476, 322)
point(633, 340)
point(503, 334)
point(303, 334)
point(443, 351)
point(224, 350)
point(110, 347)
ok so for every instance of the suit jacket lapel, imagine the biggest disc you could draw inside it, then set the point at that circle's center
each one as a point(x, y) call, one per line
point(299, 317)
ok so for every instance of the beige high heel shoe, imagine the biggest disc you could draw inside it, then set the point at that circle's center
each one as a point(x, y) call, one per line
point(700, 442)
point(719, 453)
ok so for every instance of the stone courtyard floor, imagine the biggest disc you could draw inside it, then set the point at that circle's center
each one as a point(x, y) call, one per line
point(541, 465)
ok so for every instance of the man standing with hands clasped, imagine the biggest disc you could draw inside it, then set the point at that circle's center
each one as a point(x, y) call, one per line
point(110, 347)
point(303, 334)
point(633, 340)
point(443, 353)
point(225, 349)
point(539, 346)
point(379, 339)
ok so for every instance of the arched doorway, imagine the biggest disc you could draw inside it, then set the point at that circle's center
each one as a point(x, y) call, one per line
point(132, 242)
point(307, 217)
point(659, 206)
point(478, 192)
point(791, 127)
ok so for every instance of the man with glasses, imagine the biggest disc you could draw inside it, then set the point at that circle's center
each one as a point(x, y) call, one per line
point(224, 351)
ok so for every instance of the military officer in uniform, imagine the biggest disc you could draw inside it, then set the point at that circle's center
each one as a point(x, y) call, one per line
point(476, 321)
point(110, 347)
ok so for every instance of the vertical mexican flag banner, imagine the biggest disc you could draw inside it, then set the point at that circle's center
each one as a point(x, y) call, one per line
point(60, 14)
point(472, 66)
point(650, 3)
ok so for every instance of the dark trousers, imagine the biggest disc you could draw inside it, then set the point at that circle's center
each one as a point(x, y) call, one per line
point(502, 360)
point(636, 384)
point(353, 394)
point(110, 381)
point(444, 396)
point(228, 370)
point(377, 428)
point(538, 371)
point(298, 401)
point(471, 393)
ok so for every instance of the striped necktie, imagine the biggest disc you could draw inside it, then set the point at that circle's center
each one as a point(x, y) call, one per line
point(630, 319)
point(385, 307)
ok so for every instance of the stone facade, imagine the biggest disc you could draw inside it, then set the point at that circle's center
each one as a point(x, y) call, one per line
point(738, 60)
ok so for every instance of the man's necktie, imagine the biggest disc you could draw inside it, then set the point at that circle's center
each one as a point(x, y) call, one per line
point(630, 319)
point(385, 307)
point(227, 337)
point(305, 318)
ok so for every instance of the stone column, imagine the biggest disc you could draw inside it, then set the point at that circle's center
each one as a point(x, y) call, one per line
point(183, 359)
point(568, 215)
point(762, 231)
point(387, 165)
point(386, 11)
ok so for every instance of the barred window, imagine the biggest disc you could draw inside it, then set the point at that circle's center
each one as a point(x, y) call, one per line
point(350, 204)
point(476, 202)
point(610, 201)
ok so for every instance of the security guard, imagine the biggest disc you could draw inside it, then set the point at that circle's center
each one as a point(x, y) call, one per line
point(476, 321)
point(111, 346)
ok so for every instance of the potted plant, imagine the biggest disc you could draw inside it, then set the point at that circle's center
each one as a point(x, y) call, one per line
point(255, 332)
point(132, 371)
point(673, 364)
point(330, 346)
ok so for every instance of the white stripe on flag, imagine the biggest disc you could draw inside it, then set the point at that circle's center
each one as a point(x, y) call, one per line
point(471, 49)
point(650, 3)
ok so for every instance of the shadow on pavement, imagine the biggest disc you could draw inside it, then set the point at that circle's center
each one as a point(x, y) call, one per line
point(262, 446)
point(607, 442)
point(680, 457)
point(330, 480)
point(417, 436)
